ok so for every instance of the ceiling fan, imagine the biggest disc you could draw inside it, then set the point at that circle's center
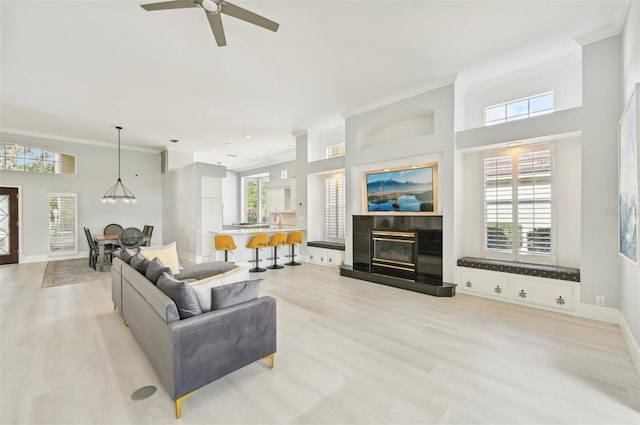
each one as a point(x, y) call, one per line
point(213, 9)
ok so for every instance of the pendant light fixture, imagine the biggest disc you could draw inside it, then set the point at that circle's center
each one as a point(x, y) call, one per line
point(118, 190)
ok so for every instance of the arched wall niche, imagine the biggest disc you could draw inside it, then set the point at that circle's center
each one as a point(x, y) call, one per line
point(396, 126)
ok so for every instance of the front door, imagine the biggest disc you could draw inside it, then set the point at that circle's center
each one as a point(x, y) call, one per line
point(8, 225)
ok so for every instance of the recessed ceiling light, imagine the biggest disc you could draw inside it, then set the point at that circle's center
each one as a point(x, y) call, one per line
point(247, 136)
point(292, 146)
point(227, 144)
point(174, 140)
point(213, 150)
point(269, 152)
point(232, 155)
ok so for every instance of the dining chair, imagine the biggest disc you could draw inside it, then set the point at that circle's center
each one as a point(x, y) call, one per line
point(94, 250)
point(131, 237)
point(147, 231)
point(112, 229)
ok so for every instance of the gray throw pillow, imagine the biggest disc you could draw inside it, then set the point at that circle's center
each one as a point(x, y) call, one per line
point(126, 255)
point(139, 263)
point(235, 293)
point(155, 270)
point(181, 294)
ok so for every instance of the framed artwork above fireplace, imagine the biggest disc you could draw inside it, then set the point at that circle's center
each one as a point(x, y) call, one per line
point(403, 190)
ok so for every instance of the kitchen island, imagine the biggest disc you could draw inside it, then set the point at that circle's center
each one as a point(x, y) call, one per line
point(242, 234)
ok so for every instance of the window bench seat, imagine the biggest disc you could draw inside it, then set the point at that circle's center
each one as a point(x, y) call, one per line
point(529, 269)
point(325, 253)
point(338, 246)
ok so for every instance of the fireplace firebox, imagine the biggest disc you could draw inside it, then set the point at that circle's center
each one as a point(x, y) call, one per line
point(394, 254)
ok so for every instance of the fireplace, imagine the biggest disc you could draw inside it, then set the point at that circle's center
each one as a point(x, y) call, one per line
point(394, 254)
point(404, 251)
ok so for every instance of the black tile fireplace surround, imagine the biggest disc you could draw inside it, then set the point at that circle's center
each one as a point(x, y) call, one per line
point(404, 251)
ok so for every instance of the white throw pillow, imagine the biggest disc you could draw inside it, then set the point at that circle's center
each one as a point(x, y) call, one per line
point(168, 255)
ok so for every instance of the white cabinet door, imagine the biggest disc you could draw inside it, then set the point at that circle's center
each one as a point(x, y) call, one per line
point(334, 258)
point(316, 255)
point(489, 284)
point(543, 293)
point(275, 199)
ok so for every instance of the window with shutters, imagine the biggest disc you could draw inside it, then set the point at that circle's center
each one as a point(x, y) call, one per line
point(334, 207)
point(518, 207)
point(63, 218)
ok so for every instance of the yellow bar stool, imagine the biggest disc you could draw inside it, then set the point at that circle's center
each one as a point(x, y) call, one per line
point(278, 239)
point(258, 241)
point(224, 243)
point(294, 238)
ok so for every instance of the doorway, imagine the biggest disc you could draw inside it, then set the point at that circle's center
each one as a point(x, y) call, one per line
point(9, 248)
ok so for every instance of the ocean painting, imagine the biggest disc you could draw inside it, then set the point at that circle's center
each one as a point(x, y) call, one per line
point(628, 182)
point(408, 190)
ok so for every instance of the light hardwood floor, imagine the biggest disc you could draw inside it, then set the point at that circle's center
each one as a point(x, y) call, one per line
point(348, 352)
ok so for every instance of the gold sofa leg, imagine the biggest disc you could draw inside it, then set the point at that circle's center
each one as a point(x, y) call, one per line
point(115, 308)
point(179, 404)
point(126, 323)
point(271, 358)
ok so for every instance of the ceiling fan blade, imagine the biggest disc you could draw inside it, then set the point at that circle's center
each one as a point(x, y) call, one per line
point(245, 15)
point(216, 26)
point(176, 4)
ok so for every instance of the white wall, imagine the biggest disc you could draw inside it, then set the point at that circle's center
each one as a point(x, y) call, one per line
point(96, 171)
point(602, 106)
point(231, 198)
point(436, 145)
point(630, 273)
point(562, 76)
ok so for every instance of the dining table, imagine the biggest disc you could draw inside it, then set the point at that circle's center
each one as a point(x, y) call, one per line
point(102, 240)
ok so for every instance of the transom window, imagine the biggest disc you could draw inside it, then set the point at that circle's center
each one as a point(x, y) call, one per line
point(518, 206)
point(35, 160)
point(336, 150)
point(519, 109)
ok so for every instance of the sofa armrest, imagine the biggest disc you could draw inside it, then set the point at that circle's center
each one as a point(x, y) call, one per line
point(211, 345)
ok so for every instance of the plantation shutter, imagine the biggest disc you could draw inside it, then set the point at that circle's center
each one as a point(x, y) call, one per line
point(335, 207)
point(534, 201)
point(498, 203)
point(62, 224)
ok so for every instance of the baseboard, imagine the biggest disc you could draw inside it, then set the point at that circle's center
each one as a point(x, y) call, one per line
point(632, 344)
point(595, 312)
point(40, 258)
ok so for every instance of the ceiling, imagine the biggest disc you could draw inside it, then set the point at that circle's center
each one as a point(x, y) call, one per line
point(76, 69)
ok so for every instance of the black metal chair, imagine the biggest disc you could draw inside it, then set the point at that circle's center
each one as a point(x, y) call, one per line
point(112, 229)
point(131, 237)
point(94, 250)
point(147, 232)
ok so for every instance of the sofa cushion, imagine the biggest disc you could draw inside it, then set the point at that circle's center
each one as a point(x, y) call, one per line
point(235, 293)
point(139, 263)
point(168, 254)
point(205, 270)
point(181, 294)
point(155, 270)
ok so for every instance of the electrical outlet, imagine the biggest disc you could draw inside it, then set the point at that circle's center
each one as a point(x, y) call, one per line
point(600, 300)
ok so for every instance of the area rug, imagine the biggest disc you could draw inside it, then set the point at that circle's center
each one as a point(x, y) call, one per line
point(67, 272)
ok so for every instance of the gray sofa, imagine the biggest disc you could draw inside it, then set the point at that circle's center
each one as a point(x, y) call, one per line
point(192, 352)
